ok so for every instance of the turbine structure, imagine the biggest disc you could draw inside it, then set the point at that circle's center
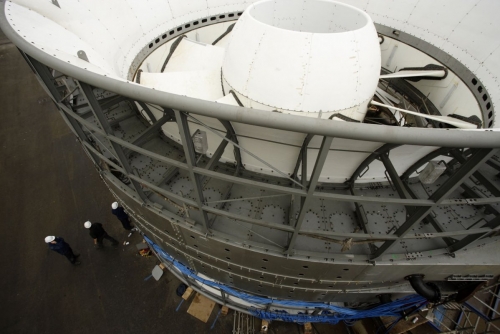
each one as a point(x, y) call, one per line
point(288, 158)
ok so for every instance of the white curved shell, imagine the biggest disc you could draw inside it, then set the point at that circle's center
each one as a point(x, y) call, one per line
point(281, 54)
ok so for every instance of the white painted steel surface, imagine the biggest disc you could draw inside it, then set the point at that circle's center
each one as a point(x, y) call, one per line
point(113, 33)
point(304, 56)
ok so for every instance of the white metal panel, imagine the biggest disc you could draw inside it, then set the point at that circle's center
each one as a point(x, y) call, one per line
point(462, 102)
point(314, 72)
point(361, 4)
point(274, 135)
point(227, 6)
point(154, 62)
point(402, 158)
point(195, 56)
point(151, 14)
point(342, 144)
point(440, 17)
point(210, 33)
point(184, 8)
point(237, 62)
point(477, 32)
point(284, 161)
point(228, 99)
point(339, 166)
point(42, 33)
point(203, 85)
point(270, 81)
point(399, 10)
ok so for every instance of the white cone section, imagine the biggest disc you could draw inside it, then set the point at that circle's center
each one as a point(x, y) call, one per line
point(304, 56)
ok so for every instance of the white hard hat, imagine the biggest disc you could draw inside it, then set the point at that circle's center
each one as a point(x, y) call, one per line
point(87, 224)
point(50, 238)
point(114, 205)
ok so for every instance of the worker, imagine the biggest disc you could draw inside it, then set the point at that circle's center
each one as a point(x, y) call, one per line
point(98, 233)
point(122, 216)
point(57, 244)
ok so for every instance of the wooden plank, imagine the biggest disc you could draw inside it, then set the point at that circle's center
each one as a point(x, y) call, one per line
point(224, 311)
point(201, 307)
point(264, 326)
point(187, 293)
point(308, 328)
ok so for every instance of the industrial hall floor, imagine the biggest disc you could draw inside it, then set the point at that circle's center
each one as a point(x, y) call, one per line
point(48, 186)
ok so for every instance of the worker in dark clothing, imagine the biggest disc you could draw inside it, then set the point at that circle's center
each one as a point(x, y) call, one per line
point(58, 244)
point(121, 215)
point(98, 233)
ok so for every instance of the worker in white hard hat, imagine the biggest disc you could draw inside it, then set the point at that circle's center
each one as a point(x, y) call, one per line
point(57, 244)
point(120, 213)
point(98, 233)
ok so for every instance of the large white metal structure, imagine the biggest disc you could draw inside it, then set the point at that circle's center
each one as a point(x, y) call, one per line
point(309, 151)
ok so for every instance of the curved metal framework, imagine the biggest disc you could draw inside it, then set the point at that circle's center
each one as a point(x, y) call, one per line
point(185, 223)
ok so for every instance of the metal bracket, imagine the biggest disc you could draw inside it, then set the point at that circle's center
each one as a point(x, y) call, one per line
point(81, 54)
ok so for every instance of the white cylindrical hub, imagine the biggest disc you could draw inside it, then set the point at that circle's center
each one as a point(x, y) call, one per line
point(304, 56)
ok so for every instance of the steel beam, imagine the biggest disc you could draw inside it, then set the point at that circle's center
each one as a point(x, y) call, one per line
point(148, 111)
point(478, 175)
point(231, 135)
point(281, 227)
point(318, 167)
point(47, 80)
point(493, 165)
point(375, 155)
point(305, 143)
point(217, 154)
point(467, 240)
point(429, 219)
point(190, 155)
point(363, 222)
point(454, 181)
point(156, 127)
point(94, 105)
point(265, 185)
point(471, 193)
point(396, 180)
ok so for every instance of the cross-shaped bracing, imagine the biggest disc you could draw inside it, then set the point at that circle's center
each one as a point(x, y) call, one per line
point(318, 167)
point(404, 191)
point(189, 153)
point(492, 188)
point(455, 180)
point(467, 240)
point(87, 91)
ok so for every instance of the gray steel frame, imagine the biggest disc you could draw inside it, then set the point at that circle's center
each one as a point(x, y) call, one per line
point(422, 207)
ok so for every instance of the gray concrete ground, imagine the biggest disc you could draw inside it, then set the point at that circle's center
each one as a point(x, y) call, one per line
point(48, 186)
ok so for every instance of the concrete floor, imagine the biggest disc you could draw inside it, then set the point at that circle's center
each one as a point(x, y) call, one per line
point(49, 187)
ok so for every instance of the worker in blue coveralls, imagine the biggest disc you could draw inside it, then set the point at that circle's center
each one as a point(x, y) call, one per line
point(121, 215)
point(57, 244)
point(98, 233)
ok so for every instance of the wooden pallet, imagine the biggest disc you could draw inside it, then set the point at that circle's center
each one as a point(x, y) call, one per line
point(201, 307)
